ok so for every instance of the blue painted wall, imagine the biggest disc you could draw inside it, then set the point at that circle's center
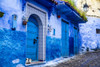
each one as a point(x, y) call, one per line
point(9, 8)
point(12, 48)
point(53, 48)
point(89, 38)
point(54, 42)
point(12, 43)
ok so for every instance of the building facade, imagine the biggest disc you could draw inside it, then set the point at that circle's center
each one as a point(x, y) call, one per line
point(90, 30)
point(37, 30)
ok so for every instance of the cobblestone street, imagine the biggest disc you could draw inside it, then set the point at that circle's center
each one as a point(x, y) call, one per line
point(90, 59)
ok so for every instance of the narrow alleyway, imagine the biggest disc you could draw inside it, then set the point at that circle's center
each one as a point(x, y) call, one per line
point(90, 59)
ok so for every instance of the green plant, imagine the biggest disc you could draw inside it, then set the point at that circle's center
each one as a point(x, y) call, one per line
point(1, 14)
point(80, 12)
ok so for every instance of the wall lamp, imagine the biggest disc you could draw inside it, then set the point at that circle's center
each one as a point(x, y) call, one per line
point(85, 7)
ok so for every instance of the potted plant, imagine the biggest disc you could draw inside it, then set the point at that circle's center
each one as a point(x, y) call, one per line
point(24, 21)
point(58, 16)
point(1, 14)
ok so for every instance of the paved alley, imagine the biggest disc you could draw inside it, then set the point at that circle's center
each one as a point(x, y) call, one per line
point(90, 59)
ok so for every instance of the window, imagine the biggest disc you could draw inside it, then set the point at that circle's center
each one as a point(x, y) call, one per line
point(98, 31)
point(14, 22)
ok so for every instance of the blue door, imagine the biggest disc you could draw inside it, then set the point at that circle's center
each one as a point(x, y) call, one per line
point(32, 39)
point(71, 46)
point(75, 41)
point(65, 39)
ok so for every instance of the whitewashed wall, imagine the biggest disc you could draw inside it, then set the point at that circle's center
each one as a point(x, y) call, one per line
point(88, 33)
point(10, 7)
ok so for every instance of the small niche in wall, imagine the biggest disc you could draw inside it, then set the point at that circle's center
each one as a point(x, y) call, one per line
point(97, 31)
point(14, 21)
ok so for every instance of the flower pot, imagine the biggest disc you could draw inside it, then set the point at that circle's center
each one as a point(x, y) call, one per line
point(58, 16)
point(56, 3)
point(1, 14)
point(24, 22)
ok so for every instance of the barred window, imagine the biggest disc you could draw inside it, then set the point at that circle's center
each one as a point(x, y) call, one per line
point(98, 31)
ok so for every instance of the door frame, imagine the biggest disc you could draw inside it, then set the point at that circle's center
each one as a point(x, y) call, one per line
point(41, 17)
point(36, 45)
point(75, 43)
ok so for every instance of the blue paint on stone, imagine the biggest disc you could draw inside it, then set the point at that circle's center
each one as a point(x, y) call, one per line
point(23, 4)
point(71, 46)
point(88, 36)
point(12, 43)
point(53, 48)
point(12, 47)
point(9, 8)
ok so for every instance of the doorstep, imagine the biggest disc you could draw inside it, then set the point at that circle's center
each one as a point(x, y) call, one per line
point(35, 63)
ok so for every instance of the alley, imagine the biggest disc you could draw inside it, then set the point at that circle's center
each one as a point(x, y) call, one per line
point(90, 59)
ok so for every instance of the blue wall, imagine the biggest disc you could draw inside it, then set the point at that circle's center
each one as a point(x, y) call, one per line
point(12, 48)
point(53, 48)
point(9, 8)
point(12, 43)
point(89, 38)
point(54, 42)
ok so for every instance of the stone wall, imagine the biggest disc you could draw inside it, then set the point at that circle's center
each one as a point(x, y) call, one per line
point(94, 6)
point(10, 8)
point(53, 49)
point(89, 38)
point(12, 48)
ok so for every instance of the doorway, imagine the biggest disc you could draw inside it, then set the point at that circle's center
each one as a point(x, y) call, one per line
point(40, 16)
point(65, 38)
point(32, 39)
point(75, 40)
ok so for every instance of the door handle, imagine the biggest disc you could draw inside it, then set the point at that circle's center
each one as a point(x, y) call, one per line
point(34, 41)
point(36, 37)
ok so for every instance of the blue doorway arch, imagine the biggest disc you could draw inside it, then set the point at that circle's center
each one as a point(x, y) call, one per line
point(32, 39)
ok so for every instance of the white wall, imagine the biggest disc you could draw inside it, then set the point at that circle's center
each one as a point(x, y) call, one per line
point(88, 33)
point(10, 7)
point(55, 23)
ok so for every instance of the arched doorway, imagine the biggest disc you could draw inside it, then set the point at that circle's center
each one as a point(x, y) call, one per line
point(33, 28)
point(32, 39)
point(41, 18)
